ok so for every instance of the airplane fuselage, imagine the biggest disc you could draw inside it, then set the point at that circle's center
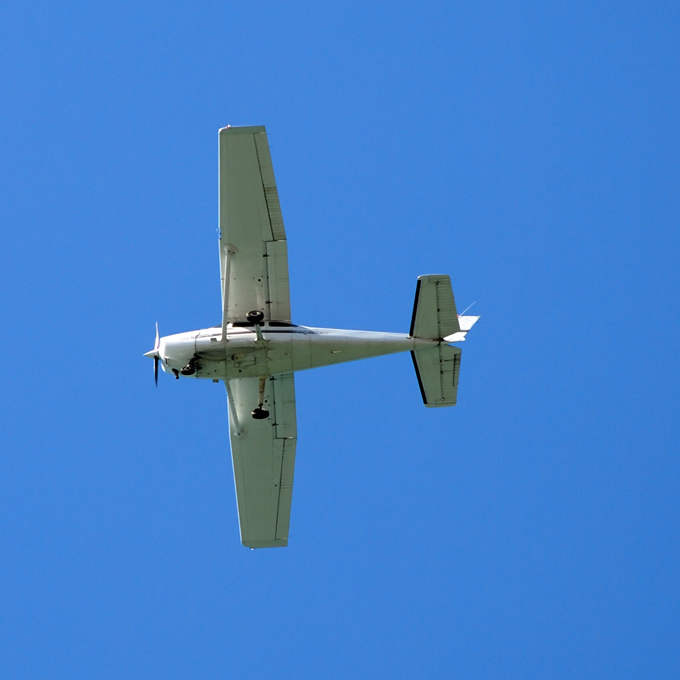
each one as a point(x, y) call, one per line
point(280, 348)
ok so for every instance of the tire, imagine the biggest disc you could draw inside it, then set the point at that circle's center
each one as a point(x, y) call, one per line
point(255, 317)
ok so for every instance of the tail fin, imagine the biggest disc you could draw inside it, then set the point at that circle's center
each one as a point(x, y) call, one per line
point(434, 309)
point(435, 318)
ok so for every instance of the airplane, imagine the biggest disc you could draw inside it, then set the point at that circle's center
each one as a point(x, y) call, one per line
point(256, 350)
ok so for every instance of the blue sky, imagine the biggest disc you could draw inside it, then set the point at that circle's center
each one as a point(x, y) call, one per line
point(530, 150)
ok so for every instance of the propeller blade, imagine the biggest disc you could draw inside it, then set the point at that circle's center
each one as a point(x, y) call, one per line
point(155, 355)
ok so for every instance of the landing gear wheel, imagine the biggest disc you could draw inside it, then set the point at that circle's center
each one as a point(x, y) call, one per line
point(260, 414)
point(255, 317)
point(191, 367)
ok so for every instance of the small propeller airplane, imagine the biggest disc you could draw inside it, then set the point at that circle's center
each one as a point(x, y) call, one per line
point(257, 349)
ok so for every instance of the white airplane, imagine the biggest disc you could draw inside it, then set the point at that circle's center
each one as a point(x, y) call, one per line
point(256, 350)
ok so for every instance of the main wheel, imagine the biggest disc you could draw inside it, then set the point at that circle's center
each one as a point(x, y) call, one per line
point(256, 317)
point(260, 414)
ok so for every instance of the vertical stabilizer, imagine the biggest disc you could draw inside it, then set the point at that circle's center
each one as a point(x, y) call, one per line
point(434, 309)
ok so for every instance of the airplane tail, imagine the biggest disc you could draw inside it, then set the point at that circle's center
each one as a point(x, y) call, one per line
point(435, 318)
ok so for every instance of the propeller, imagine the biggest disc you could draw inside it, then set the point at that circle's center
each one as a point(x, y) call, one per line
point(155, 354)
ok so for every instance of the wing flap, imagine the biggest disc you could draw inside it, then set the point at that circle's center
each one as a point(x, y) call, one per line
point(284, 404)
point(278, 284)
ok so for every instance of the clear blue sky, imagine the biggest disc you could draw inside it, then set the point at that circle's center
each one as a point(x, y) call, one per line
point(528, 149)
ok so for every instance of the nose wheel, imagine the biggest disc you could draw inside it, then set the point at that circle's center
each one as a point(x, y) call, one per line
point(191, 367)
point(260, 413)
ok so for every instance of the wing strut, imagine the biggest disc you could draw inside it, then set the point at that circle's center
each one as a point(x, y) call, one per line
point(226, 260)
point(233, 416)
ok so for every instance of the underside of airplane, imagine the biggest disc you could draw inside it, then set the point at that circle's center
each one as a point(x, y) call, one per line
point(257, 349)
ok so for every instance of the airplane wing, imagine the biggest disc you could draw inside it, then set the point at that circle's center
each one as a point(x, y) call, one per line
point(253, 247)
point(263, 455)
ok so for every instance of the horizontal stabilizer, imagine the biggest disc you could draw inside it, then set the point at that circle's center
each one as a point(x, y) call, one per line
point(466, 323)
point(434, 309)
point(437, 369)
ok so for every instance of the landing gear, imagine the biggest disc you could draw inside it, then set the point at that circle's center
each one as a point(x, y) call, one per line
point(176, 372)
point(255, 317)
point(260, 413)
point(191, 367)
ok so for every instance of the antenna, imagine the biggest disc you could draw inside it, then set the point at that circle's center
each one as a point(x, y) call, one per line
point(468, 307)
